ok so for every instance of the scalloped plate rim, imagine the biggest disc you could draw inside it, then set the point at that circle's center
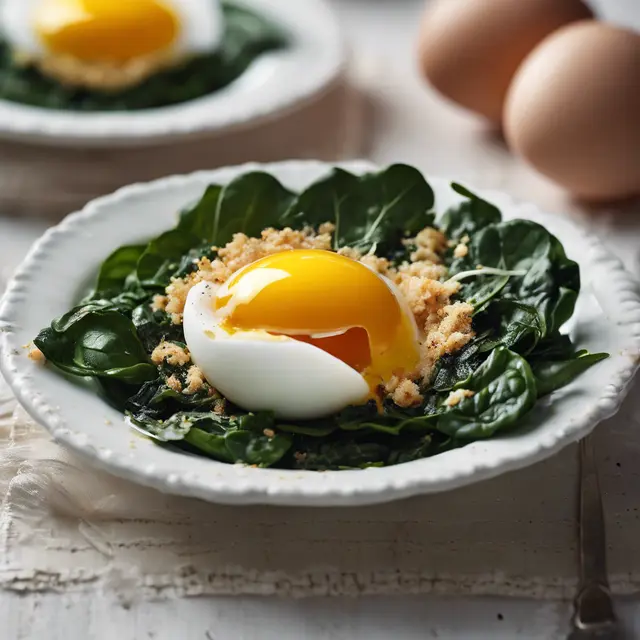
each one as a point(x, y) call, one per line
point(240, 485)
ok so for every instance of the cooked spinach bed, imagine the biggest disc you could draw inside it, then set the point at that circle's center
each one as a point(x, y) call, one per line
point(247, 36)
point(517, 355)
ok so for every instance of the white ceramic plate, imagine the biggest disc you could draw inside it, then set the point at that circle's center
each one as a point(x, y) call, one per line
point(62, 264)
point(275, 82)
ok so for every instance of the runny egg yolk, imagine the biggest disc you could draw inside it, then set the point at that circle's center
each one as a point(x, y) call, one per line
point(114, 31)
point(327, 300)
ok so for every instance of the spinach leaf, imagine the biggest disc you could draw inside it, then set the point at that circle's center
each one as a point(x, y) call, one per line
point(468, 217)
point(246, 37)
point(397, 202)
point(311, 428)
point(352, 451)
point(162, 257)
point(209, 444)
point(514, 325)
point(375, 210)
point(554, 347)
point(155, 400)
point(505, 389)
point(410, 449)
point(239, 439)
point(551, 281)
point(484, 289)
point(456, 367)
point(555, 374)
point(250, 203)
point(115, 271)
point(330, 199)
point(392, 420)
point(101, 343)
point(338, 453)
point(257, 448)
point(199, 219)
point(155, 326)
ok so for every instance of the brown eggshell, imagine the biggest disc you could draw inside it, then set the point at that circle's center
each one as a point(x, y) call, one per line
point(573, 110)
point(469, 50)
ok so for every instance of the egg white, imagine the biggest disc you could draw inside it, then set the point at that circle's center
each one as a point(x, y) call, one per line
point(201, 27)
point(262, 372)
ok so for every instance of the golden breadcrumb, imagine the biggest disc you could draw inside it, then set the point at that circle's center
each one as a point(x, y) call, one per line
point(377, 264)
point(219, 406)
point(214, 271)
point(460, 251)
point(175, 384)
point(270, 433)
point(242, 250)
point(423, 269)
point(104, 76)
point(36, 355)
point(430, 245)
point(451, 334)
point(195, 381)
point(159, 303)
point(170, 353)
point(406, 393)
point(455, 397)
point(326, 228)
point(426, 297)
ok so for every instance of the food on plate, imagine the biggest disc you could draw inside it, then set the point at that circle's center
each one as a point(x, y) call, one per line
point(342, 327)
point(345, 326)
point(105, 55)
point(469, 50)
point(573, 108)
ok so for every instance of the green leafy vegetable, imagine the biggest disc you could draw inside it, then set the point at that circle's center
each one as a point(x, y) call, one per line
point(557, 346)
point(524, 291)
point(248, 205)
point(454, 368)
point(116, 270)
point(468, 217)
point(162, 257)
point(323, 455)
point(100, 343)
point(514, 325)
point(243, 439)
point(550, 282)
point(551, 375)
point(199, 219)
point(374, 211)
point(247, 36)
point(505, 389)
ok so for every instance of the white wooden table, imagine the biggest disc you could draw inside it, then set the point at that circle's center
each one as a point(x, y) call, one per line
point(412, 125)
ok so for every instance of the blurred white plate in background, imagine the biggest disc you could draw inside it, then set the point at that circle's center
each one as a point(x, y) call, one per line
point(275, 82)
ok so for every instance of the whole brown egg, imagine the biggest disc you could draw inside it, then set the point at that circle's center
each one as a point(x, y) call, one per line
point(573, 110)
point(469, 50)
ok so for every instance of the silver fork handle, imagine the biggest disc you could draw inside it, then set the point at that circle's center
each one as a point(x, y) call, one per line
point(594, 615)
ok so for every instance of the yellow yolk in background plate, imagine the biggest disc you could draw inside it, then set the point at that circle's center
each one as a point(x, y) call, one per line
point(113, 31)
point(327, 300)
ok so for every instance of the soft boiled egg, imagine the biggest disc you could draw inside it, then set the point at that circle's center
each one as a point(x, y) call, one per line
point(301, 333)
point(111, 33)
